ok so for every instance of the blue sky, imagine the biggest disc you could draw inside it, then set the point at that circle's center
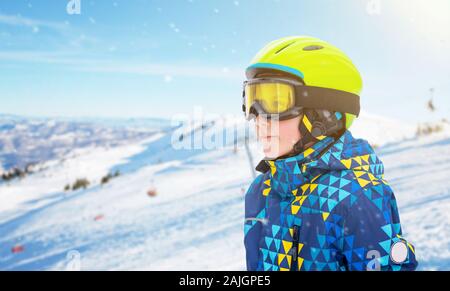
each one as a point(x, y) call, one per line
point(136, 58)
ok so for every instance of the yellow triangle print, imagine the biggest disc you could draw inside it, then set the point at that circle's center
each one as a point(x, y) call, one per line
point(308, 152)
point(289, 260)
point(365, 158)
point(304, 187)
point(287, 245)
point(359, 173)
point(295, 209)
point(312, 187)
point(273, 169)
point(299, 263)
point(362, 182)
point(347, 163)
point(280, 258)
point(300, 246)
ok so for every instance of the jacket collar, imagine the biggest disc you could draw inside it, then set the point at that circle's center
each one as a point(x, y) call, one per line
point(329, 154)
point(289, 173)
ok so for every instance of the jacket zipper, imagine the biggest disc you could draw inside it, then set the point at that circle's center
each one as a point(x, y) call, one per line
point(294, 249)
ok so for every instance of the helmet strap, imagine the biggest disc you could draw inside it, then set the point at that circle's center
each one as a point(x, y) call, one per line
point(306, 136)
point(321, 123)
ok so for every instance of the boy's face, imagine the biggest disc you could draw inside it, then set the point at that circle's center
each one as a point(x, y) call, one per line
point(277, 137)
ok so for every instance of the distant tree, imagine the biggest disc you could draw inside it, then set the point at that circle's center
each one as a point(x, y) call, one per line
point(105, 179)
point(430, 104)
point(80, 183)
point(109, 176)
point(427, 129)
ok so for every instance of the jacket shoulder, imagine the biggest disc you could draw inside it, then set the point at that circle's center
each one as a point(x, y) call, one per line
point(347, 187)
point(256, 185)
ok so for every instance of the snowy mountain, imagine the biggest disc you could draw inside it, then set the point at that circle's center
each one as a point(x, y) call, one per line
point(26, 141)
point(380, 130)
point(180, 208)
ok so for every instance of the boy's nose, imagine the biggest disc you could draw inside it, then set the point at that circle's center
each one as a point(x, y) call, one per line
point(266, 127)
point(262, 121)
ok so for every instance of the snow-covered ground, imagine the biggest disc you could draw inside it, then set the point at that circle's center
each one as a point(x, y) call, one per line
point(195, 220)
point(418, 170)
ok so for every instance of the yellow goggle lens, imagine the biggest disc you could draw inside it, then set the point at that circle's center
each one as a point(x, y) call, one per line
point(274, 97)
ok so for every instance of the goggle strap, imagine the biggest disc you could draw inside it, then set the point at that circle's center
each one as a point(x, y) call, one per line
point(325, 98)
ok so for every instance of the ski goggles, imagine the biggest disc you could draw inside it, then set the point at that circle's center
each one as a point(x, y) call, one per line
point(285, 98)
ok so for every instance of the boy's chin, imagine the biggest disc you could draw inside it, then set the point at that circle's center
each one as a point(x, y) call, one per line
point(274, 152)
point(271, 154)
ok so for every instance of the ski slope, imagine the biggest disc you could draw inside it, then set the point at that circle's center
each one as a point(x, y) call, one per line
point(195, 220)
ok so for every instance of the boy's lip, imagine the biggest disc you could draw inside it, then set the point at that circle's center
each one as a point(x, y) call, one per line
point(268, 136)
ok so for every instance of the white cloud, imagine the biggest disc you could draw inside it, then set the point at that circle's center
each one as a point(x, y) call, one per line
point(68, 35)
point(71, 61)
point(199, 71)
point(18, 20)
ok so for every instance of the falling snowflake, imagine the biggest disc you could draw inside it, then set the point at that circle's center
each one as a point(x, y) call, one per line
point(168, 78)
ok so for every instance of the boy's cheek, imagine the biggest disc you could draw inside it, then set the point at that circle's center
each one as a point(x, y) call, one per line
point(269, 148)
point(273, 148)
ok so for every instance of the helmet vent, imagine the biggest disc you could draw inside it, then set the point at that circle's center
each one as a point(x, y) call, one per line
point(312, 48)
point(286, 46)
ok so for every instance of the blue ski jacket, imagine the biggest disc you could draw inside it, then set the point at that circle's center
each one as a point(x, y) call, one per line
point(328, 208)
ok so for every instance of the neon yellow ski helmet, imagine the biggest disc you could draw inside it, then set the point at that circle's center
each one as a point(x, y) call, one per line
point(315, 61)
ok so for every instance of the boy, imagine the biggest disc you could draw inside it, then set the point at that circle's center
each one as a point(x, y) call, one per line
point(321, 202)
